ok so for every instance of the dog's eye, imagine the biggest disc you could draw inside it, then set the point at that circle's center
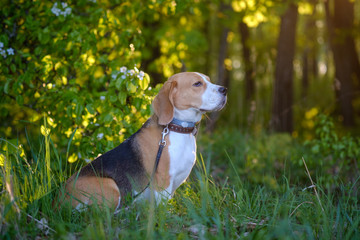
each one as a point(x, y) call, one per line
point(197, 84)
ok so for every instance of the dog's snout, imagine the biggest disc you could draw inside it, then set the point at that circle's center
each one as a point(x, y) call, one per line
point(222, 90)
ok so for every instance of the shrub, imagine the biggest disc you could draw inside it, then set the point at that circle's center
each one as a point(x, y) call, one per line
point(65, 62)
point(337, 156)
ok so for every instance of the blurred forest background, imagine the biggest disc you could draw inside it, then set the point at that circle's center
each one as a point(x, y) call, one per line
point(86, 71)
point(77, 77)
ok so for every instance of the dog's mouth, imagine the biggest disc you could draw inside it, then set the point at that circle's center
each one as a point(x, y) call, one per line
point(220, 106)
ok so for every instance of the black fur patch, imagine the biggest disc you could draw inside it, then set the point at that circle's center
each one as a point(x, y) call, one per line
point(123, 164)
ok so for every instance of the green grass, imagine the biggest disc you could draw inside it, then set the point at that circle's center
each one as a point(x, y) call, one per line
point(229, 195)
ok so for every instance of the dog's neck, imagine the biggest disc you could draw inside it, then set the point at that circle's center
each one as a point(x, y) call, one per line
point(181, 123)
point(188, 115)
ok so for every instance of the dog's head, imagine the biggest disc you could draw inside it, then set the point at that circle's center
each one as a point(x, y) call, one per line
point(186, 96)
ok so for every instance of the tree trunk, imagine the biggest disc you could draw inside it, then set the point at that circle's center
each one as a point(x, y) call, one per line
point(340, 25)
point(309, 67)
point(222, 73)
point(249, 70)
point(282, 114)
point(211, 31)
point(305, 73)
point(223, 76)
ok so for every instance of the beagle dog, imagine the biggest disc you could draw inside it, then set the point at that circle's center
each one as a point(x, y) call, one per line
point(127, 169)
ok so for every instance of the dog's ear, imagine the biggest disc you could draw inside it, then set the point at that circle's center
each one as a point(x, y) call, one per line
point(163, 103)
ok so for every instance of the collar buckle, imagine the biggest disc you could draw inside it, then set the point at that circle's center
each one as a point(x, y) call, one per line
point(164, 132)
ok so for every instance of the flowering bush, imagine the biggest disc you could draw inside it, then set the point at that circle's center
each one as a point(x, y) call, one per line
point(64, 10)
point(64, 62)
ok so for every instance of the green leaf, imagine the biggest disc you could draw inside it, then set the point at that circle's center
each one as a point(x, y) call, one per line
point(90, 108)
point(38, 50)
point(122, 97)
point(113, 98)
point(6, 88)
point(315, 149)
point(145, 82)
point(108, 118)
point(130, 87)
point(78, 109)
point(20, 100)
point(118, 83)
point(137, 103)
point(13, 68)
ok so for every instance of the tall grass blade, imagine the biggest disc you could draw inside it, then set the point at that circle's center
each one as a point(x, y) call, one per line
point(46, 133)
point(9, 181)
point(69, 143)
point(233, 166)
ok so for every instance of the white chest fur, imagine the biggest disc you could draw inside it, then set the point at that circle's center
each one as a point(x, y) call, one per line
point(182, 151)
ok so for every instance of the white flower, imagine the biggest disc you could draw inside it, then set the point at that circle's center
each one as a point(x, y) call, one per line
point(141, 75)
point(3, 53)
point(131, 72)
point(96, 124)
point(87, 160)
point(100, 136)
point(1, 44)
point(10, 51)
point(79, 154)
point(123, 69)
point(57, 11)
point(67, 11)
point(102, 97)
point(123, 76)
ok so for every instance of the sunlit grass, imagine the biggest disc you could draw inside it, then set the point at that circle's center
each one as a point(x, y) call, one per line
point(223, 206)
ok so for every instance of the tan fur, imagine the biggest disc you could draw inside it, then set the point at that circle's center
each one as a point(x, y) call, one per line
point(187, 96)
point(163, 103)
point(178, 91)
point(148, 141)
point(92, 189)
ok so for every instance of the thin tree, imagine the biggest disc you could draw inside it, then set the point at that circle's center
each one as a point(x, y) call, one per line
point(222, 73)
point(249, 69)
point(309, 61)
point(282, 114)
point(340, 24)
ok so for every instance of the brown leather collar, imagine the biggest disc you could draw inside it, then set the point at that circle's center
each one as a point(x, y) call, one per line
point(180, 129)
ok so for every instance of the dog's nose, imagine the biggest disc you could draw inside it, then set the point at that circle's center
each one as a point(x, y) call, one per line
point(222, 90)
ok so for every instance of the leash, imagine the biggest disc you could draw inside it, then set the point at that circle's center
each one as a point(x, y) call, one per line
point(185, 127)
point(176, 126)
point(162, 144)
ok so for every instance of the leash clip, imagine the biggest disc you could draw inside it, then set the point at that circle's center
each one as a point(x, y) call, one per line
point(163, 134)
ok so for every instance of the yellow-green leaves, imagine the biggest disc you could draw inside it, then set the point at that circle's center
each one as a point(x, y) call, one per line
point(130, 87)
point(144, 83)
point(44, 131)
point(77, 68)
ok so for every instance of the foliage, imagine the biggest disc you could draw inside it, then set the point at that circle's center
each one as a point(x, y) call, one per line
point(336, 155)
point(77, 63)
point(67, 64)
point(252, 156)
